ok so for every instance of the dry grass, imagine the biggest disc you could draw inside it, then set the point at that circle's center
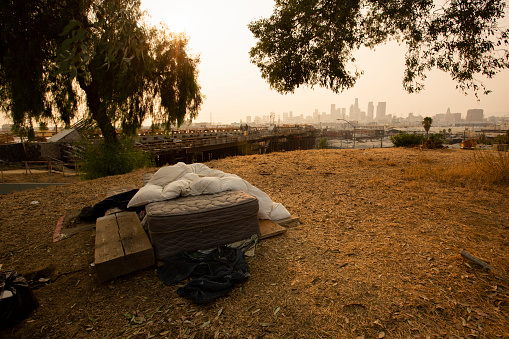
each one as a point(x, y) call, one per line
point(481, 168)
point(376, 255)
point(493, 165)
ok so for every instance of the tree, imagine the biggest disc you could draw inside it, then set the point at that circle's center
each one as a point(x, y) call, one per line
point(97, 50)
point(43, 125)
point(426, 123)
point(323, 144)
point(311, 42)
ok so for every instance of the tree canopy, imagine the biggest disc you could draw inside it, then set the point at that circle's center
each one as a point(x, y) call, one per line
point(54, 54)
point(426, 123)
point(312, 42)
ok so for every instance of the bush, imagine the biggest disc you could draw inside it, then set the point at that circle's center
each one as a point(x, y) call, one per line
point(404, 139)
point(120, 157)
point(434, 141)
point(323, 144)
point(501, 139)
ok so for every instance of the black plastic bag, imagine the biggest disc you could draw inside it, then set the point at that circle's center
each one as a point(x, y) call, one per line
point(17, 300)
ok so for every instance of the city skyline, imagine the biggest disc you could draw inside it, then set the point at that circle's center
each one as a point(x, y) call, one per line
point(376, 112)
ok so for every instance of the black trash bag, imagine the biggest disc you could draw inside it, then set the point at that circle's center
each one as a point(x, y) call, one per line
point(17, 300)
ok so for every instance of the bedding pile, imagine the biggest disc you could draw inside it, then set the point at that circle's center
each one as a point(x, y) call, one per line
point(184, 180)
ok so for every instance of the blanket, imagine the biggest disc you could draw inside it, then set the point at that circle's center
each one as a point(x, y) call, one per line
point(171, 182)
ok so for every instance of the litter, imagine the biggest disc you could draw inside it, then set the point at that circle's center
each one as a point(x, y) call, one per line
point(17, 300)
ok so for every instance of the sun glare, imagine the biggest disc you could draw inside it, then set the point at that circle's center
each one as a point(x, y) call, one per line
point(176, 16)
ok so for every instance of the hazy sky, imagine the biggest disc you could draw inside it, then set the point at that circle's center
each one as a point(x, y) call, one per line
point(234, 87)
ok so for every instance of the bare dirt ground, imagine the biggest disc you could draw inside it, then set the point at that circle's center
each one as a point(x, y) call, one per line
point(376, 255)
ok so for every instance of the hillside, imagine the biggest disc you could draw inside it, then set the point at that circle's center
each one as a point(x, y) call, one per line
point(376, 254)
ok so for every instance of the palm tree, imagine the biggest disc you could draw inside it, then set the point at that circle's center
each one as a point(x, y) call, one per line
point(426, 123)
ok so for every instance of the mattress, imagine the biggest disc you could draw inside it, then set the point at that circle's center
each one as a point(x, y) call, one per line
point(201, 222)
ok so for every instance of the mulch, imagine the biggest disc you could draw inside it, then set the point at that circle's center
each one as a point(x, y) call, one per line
point(376, 255)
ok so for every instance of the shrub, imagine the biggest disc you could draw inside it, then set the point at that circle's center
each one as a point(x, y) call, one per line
point(101, 160)
point(323, 144)
point(435, 140)
point(404, 139)
point(501, 139)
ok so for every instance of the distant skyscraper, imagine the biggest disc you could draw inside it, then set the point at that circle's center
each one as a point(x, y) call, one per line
point(351, 113)
point(316, 116)
point(248, 119)
point(475, 115)
point(380, 110)
point(355, 111)
point(371, 110)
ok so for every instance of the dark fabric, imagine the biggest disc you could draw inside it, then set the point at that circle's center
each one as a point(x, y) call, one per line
point(16, 308)
point(118, 200)
point(212, 276)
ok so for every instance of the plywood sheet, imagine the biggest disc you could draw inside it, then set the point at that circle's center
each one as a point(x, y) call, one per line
point(269, 228)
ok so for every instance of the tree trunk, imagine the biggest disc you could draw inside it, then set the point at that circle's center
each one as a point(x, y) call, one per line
point(98, 112)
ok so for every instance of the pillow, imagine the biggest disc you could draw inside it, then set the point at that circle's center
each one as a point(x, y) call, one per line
point(147, 194)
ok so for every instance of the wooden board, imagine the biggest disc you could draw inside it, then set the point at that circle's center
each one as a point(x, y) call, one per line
point(121, 246)
point(269, 228)
point(137, 248)
point(288, 222)
point(109, 254)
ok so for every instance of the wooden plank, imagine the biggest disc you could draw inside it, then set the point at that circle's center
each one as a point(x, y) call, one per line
point(290, 221)
point(122, 246)
point(138, 250)
point(109, 254)
point(269, 228)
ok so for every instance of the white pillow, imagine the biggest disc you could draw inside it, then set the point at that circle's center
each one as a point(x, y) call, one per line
point(147, 194)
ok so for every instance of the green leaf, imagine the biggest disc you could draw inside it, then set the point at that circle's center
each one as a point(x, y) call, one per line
point(70, 26)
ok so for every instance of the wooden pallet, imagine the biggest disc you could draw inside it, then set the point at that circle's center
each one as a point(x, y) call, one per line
point(121, 246)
